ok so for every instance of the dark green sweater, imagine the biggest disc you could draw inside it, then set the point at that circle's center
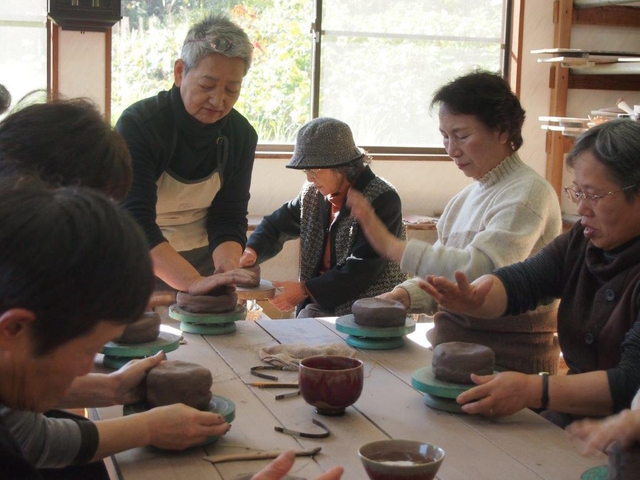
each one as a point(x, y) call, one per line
point(162, 136)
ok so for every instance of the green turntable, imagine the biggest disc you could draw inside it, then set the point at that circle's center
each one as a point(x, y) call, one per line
point(208, 323)
point(374, 338)
point(117, 354)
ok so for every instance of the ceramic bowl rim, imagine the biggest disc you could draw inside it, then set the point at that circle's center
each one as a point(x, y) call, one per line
point(360, 363)
point(405, 468)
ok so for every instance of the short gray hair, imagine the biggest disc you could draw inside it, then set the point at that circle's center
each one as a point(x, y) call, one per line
point(215, 34)
point(615, 144)
point(352, 169)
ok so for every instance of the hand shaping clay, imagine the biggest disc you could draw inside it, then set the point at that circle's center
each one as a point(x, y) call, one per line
point(624, 463)
point(379, 312)
point(455, 361)
point(253, 276)
point(144, 330)
point(179, 382)
point(220, 303)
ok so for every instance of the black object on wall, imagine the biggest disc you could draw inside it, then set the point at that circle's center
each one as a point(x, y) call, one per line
point(85, 15)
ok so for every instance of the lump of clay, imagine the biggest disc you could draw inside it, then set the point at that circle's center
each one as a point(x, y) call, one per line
point(179, 382)
point(146, 329)
point(455, 361)
point(219, 301)
point(253, 276)
point(624, 463)
point(379, 312)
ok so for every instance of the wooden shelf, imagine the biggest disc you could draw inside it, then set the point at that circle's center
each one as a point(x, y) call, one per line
point(620, 75)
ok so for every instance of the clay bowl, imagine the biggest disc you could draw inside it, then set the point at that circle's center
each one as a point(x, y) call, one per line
point(401, 460)
point(330, 383)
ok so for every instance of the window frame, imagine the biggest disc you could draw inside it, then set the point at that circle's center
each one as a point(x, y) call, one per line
point(510, 71)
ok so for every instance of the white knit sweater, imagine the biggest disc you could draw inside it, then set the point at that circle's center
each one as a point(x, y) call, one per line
point(502, 218)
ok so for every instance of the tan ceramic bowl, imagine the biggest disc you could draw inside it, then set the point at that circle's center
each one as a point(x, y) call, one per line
point(401, 460)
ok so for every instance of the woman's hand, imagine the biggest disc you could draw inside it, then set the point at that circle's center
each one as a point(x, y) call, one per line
point(503, 394)
point(598, 435)
point(398, 294)
point(281, 465)
point(384, 242)
point(248, 258)
point(292, 294)
point(176, 427)
point(129, 380)
point(462, 297)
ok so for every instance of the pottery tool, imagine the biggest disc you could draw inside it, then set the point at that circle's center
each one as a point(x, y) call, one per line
point(287, 395)
point(255, 371)
point(220, 405)
point(264, 291)
point(117, 354)
point(207, 323)
point(438, 394)
point(293, 433)
point(374, 338)
point(272, 385)
point(235, 457)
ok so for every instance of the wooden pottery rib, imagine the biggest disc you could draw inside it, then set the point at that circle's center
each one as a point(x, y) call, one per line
point(264, 291)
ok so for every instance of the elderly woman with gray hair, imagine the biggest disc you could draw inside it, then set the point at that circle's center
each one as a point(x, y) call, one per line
point(192, 160)
point(337, 264)
point(594, 269)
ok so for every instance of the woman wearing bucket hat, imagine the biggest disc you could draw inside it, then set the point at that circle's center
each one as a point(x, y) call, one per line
point(337, 264)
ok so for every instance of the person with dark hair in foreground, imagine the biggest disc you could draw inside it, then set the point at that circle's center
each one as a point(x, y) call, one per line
point(60, 305)
point(594, 269)
point(508, 213)
point(65, 142)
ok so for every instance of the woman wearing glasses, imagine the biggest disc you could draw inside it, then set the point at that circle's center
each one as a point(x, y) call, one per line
point(337, 264)
point(508, 213)
point(192, 159)
point(594, 269)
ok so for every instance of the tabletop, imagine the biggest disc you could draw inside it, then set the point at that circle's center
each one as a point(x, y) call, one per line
point(522, 446)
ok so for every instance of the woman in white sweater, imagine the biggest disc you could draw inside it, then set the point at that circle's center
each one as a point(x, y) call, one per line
point(506, 215)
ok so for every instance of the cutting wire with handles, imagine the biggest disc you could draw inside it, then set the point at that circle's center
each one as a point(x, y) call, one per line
point(293, 433)
point(256, 371)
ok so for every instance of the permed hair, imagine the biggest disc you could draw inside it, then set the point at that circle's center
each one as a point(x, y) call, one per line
point(489, 98)
point(215, 34)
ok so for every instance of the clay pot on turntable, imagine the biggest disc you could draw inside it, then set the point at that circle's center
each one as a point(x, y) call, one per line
point(395, 459)
point(331, 383)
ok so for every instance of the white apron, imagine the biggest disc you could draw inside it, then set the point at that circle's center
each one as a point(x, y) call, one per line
point(181, 209)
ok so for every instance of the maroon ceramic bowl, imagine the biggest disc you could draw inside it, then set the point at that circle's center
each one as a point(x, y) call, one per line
point(330, 383)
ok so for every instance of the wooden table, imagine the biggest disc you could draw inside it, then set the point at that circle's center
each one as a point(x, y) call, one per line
point(523, 446)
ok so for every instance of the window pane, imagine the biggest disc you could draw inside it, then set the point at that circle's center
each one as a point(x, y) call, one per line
point(23, 46)
point(379, 74)
point(276, 91)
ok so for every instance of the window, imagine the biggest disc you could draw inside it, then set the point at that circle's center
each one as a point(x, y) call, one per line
point(23, 46)
point(371, 63)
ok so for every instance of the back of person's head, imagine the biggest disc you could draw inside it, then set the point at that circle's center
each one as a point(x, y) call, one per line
point(72, 257)
point(215, 34)
point(5, 99)
point(615, 144)
point(65, 142)
point(489, 98)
